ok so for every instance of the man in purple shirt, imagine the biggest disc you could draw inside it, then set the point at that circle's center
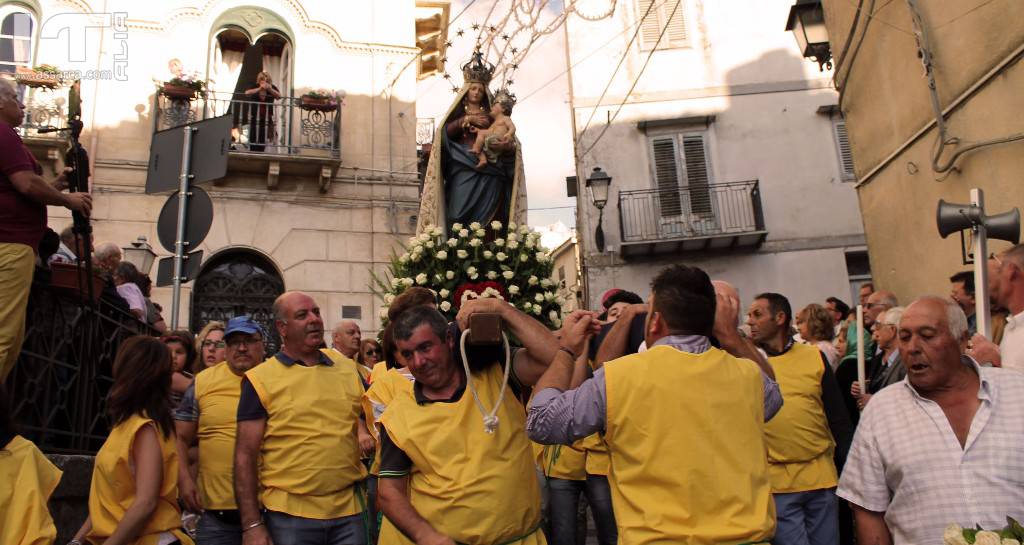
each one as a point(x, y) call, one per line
point(24, 195)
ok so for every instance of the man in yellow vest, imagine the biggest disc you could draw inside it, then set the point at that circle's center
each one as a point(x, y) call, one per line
point(206, 416)
point(456, 465)
point(683, 421)
point(297, 455)
point(810, 436)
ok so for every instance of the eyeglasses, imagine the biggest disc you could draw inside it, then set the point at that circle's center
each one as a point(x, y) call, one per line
point(995, 258)
point(215, 344)
point(235, 342)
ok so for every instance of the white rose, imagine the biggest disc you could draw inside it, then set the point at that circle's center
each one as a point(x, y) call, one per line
point(438, 278)
point(453, 242)
point(488, 254)
point(524, 258)
point(456, 227)
point(407, 282)
point(540, 257)
point(987, 538)
point(530, 244)
point(479, 232)
point(383, 313)
point(501, 256)
point(524, 229)
point(404, 259)
point(435, 231)
point(512, 237)
point(496, 225)
point(508, 275)
point(443, 293)
point(513, 290)
point(461, 254)
point(499, 242)
point(557, 322)
point(475, 225)
point(539, 297)
point(1008, 541)
point(537, 310)
point(429, 244)
point(491, 275)
point(553, 315)
point(449, 274)
point(442, 254)
point(445, 306)
point(471, 270)
point(415, 256)
point(413, 241)
point(475, 243)
point(424, 237)
point(532, 281)
point(545, 283)
point(512, 226)
point(396, 283)
point(474, 276)
point(463, 233)
point(950, 534)
point(512, 244)
point(421, 278)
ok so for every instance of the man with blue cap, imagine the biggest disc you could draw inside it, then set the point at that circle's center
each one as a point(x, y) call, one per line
point(207, 417)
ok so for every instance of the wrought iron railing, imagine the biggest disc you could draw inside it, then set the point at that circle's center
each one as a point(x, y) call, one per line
point(44, 108)
point(288, 125)
point(60, 382)
point(424, 131)
point(690, 212)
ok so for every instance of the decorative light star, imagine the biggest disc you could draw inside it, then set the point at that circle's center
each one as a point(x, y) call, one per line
point(514, 66)
point(508, 83)
point(492, 28)
point(460, 32)
point(514, 51)
point(504, 37)
point(447, 75)
point(455, 89)
point(475, 26)
point(448, 43)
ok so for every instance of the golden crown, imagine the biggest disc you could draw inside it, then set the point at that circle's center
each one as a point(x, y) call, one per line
point(477, 70)
point(506, 98)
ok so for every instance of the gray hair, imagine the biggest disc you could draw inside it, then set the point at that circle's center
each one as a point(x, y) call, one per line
point(892, 316)
point(413, 318)
point(955, 316)
point(106, 250)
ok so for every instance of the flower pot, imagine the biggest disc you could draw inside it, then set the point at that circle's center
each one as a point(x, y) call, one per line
point(178, 92)
point(318, 104)
point(69, 279)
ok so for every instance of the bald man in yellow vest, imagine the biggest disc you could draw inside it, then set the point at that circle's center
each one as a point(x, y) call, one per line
point(811, 434)
point(683, 421)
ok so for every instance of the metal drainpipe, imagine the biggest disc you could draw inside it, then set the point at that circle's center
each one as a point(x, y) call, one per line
point(581, 248)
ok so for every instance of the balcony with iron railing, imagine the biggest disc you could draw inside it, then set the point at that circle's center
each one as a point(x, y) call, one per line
point(703, 217)
point(45, 108)
point(290, 135)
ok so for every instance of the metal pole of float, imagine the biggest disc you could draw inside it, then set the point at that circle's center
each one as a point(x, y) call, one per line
point(179, 240)
point(981, 303)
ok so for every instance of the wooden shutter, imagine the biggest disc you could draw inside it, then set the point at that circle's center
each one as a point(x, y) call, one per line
point(843, 145)
point(666, 175)
point(697, 177)
point(650, 29)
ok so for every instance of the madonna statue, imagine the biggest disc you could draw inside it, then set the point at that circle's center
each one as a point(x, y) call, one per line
point(454, 190)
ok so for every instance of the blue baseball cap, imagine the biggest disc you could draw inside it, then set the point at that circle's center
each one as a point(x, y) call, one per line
point(243, 324)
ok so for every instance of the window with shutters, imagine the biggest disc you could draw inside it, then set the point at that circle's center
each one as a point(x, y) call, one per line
point(656, 16)
point(682, 174)
point(843, 149)
point(17, 28)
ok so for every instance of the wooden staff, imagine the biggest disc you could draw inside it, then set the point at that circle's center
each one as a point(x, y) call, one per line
point(860, 348)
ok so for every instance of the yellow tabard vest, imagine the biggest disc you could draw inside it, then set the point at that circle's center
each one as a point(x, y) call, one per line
point(310, 454)
point(217, 392)
point(800, 445)
point(364, 371)
point(478, 488)
point(686, 436)
point(566, 462)
point(27, 479)
point(384, 383)
point(113, 486)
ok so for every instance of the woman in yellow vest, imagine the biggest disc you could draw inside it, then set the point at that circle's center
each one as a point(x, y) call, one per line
point(133, 499)
point(27, 479)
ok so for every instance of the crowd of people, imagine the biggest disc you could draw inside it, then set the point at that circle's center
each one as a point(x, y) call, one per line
point(679, 421)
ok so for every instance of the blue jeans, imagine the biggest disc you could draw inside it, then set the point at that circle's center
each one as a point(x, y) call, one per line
point(563, 505)
point(807, 518)
point(286, 529)
point(599, 496)
point(213, 531)
point(371, 508)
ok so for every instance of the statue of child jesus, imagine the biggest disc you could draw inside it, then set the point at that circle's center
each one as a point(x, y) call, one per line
point(501, 131)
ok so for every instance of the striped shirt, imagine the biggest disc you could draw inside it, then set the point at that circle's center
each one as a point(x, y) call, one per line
point(907, 462)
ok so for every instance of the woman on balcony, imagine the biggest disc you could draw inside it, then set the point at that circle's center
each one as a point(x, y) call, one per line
point(133, 498)
point(261, 111)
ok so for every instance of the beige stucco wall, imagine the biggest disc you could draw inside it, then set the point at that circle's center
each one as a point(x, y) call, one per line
point(886, 102)
point(322, 243)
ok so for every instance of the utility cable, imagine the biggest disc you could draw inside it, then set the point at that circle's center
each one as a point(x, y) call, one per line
point(636, 80)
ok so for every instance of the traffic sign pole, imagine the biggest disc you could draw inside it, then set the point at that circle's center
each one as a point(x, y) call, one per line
point(179, 243)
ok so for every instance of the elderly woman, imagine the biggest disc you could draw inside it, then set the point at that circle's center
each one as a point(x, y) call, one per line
point(816, 327)
point(885, 367)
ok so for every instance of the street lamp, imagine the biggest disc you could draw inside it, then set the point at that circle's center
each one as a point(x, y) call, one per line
point(140, 254)
point(598, 182)
point(807, 23)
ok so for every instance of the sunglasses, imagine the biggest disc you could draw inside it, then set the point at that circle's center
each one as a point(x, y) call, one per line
point(373, 352)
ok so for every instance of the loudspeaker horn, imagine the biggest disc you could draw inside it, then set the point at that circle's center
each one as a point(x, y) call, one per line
point(1005, 226)
point(952, 217)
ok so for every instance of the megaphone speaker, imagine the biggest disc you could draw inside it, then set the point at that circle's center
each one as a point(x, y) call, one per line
point(952, 217)
point(1005, 226)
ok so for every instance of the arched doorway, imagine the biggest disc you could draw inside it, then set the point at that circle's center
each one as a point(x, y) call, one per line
point(237, 282)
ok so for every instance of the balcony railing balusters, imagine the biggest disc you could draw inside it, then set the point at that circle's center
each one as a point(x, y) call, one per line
point(707, 210)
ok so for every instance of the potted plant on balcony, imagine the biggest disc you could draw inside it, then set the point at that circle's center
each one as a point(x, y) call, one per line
point(183, 87)
point(320, 100)
point(44, 75)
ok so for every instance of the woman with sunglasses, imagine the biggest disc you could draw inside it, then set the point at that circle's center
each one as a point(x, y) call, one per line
point(133, 498)
point(210, 346)
point(369, 353)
